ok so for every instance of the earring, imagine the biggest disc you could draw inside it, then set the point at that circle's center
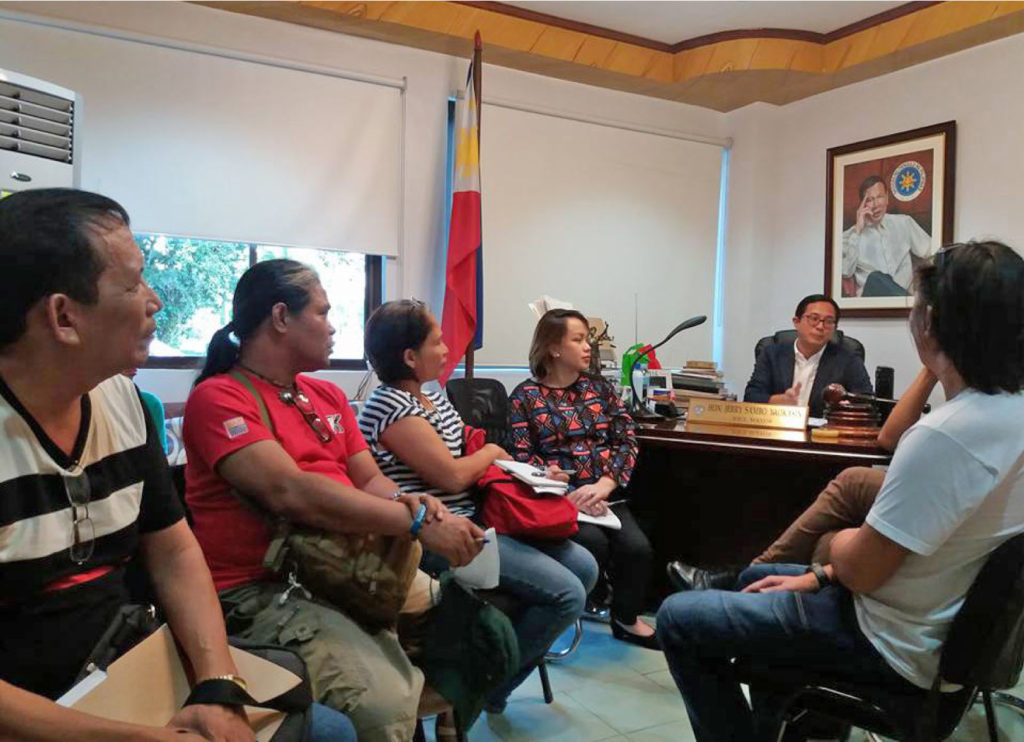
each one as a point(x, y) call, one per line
point(558, 355)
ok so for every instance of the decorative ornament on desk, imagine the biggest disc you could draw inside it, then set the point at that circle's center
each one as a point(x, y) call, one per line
point(602, 349)
point(850, 415)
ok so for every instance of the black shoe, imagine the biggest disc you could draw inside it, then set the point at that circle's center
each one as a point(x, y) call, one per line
point(647, 642)
point(687, 577)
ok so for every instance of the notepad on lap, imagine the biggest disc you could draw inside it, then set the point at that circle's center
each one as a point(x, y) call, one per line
point(608, 520)
point(534, 477)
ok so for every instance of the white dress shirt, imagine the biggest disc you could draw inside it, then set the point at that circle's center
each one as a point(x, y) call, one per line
point(885, 247)
point(804, 371)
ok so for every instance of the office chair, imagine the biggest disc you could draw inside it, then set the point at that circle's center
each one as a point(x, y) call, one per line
point(788, 337)
point(983, 652)
point(482, 403)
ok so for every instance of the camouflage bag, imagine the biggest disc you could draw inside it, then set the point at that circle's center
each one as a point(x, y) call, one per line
point(365, 575)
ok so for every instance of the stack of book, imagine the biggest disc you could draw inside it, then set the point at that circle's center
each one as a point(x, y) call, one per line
point(697, 379)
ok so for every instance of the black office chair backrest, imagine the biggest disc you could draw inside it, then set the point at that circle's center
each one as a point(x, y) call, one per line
point(482, 403)
point(985, 645)
point(788, 337)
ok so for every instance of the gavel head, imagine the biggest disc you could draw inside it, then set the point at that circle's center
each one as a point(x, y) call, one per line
point(834, 393)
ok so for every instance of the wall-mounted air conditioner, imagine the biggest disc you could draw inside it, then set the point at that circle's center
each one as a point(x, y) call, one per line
point(37, 134)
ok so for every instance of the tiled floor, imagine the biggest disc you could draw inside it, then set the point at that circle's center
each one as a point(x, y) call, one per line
point(610, 690)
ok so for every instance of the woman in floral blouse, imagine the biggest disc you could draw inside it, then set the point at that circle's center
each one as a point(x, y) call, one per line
point(573, 425)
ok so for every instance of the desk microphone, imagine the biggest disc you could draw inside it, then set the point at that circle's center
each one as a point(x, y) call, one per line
point(700, 319)
point(836, 393)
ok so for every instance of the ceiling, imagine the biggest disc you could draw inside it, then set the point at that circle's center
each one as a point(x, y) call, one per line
point(670, 22)
point(720, 55)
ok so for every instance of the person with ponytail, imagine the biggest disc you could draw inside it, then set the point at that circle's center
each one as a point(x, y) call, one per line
point(312, 467)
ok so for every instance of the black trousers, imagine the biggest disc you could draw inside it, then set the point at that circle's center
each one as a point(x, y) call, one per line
point(626, 557)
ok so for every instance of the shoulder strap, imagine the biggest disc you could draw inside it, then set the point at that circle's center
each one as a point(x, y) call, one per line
point(264, 413)
point(277, 551)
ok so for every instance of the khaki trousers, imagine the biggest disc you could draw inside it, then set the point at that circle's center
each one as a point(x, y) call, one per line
point(367, 677)
point(844, 503)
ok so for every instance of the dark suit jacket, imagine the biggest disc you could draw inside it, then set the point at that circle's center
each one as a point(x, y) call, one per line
point(773, 374)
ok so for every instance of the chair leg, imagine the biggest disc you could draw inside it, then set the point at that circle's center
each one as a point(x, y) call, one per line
point(990, 716)
point(460, 736)
point(1007, 700)
point(545, 682)
point(577, 637)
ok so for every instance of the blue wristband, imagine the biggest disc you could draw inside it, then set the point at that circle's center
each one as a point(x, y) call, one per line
point(417, 522)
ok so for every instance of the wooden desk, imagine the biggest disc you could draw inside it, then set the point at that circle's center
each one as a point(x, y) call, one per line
point(717, 495)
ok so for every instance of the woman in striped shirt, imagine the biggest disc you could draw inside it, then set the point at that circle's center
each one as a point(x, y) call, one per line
point(416, 436)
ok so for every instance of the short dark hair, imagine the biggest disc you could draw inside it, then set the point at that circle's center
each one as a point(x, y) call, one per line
point(976, 294)
point(868, 182)
point(46, 248)
point(814, 299)
point(550, 329)
point(269, 282)
point(393, 328)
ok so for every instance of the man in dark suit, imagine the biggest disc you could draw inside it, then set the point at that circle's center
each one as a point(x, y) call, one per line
point(798, 374)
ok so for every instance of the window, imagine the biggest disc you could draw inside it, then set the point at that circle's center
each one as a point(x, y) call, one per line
point(196, 279)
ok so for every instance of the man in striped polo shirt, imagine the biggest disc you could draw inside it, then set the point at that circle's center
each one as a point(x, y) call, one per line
point(84, 487)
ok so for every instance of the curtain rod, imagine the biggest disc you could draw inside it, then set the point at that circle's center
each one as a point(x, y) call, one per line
point(725, 142)
point(211, 51)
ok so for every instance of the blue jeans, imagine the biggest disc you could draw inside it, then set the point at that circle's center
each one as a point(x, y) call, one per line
point(328, 725)
point(702, 631)
point(551, 580)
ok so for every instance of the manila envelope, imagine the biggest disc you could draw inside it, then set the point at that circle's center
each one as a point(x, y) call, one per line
point(148, 686)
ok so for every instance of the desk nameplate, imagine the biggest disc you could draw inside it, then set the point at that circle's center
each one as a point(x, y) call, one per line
point(740, 431)
point(748, 415)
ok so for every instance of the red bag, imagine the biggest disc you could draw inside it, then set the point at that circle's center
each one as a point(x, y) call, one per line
point(513, 508)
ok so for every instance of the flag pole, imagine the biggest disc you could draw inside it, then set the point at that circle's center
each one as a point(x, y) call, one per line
point(477, 78)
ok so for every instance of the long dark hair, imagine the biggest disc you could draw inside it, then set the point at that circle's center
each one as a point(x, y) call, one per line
point(550, 331)
point(265, 284)
point(976, 294)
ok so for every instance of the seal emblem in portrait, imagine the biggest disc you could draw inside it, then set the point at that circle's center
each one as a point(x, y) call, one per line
point(907, 181)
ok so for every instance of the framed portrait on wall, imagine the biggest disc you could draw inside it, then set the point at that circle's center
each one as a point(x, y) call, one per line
point(889, 206)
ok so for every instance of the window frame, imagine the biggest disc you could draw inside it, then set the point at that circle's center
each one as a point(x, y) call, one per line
point(372, 299)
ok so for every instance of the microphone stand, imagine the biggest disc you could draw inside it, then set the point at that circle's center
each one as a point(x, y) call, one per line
point(638, 410)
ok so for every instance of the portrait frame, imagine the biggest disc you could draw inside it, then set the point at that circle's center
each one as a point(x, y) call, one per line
point(917, 170)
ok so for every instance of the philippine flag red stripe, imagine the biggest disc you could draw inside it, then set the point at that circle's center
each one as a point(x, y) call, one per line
point(461, 309)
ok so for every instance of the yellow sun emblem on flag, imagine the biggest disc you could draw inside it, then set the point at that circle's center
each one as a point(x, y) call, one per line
point(907, 181)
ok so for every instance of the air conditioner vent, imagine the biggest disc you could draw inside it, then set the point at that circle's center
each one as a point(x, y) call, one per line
point(35, 123)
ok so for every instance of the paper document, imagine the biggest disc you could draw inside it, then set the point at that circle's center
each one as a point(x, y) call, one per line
point(608, 520)
point(546, 303)
point(816, 422)
point(482, 572)
point(534, 477)
point(148, 686)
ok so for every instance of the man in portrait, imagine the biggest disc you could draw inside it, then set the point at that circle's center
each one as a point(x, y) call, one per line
point(877, 248)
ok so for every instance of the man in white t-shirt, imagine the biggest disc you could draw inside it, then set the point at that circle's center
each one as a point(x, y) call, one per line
point(954, 493)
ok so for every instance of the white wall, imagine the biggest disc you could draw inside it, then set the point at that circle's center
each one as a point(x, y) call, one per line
point(776, 225)
point(775, 231)
point(431, 79)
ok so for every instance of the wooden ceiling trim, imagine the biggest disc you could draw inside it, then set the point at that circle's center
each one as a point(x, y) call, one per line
point(721, 75)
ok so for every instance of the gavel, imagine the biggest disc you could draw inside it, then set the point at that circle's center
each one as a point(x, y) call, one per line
point(836, 393)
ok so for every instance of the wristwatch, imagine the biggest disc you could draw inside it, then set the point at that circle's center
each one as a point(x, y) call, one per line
point(823, 579)
point(236, 679)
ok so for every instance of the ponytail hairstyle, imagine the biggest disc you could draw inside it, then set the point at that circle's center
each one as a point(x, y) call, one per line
point(264, 285)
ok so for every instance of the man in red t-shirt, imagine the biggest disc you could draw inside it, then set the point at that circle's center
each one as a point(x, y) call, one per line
point(314, 469)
